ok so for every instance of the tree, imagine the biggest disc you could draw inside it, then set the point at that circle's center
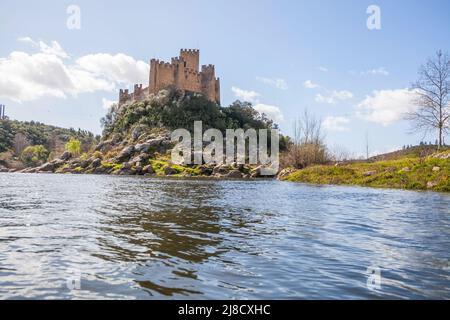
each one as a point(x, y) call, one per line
point(308, 145)
point(34, 155)
point(433, 97)
point(73, 146)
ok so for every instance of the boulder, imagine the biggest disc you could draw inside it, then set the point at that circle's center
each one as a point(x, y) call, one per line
point(436, 169)
point(104, 146)
point(406, 169)
point(155, 142)
point(263, 171)
point(221, 169)
point(142, 147)
point(65, 156)
point(431, 184)
point(168, 171)
point(369, 173)
point(46, 167)
point(125, 154)
point(96, 163)
point(205, 170)
point(234, 174)
point(85, 163)
point(148, 170)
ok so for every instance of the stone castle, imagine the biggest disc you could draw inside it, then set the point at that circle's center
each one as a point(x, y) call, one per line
point(181, 74)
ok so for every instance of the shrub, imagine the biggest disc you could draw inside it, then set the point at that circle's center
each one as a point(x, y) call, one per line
point(34, 155)
point(73, 146)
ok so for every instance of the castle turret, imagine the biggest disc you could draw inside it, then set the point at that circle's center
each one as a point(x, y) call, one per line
point(123, 96)
point(191, 57)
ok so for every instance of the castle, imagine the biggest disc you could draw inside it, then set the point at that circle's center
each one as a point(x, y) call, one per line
point(181, 74)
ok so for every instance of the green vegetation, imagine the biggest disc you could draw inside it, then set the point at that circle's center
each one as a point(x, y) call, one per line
point(160, 165)
point(407, 173)
point(34, 155)
point(175, 109)
point(73, 146)
point(17, 136)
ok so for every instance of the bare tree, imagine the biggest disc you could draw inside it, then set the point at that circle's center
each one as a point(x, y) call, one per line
point(433, 97)
point(308, 145)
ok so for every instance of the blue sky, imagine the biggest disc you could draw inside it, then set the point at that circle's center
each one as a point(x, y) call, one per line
point(286, 56)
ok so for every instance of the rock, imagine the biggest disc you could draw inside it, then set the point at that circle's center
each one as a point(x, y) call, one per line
point(85, 163)
point(148, 170)
point(406, 169)
point(234, 174)
point(369, 173)
point(139, 169)
point(436, 169)
point(47, 167)
point(168, 171)
point(155, 142)
point(125, 154)
point(96, 163)
point(65, 156)
point(142, 158)
point(99, 170)
point(263, 172)
point(142, 147)
point(104, 146)
point(205, 170)
point(284, 173)
point(431, 184)
point(221, 169)
point(126, 165)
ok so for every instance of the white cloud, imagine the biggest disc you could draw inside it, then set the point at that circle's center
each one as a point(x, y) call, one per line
point(106, 104)
point(272, 112)
point(378, 71)
point(338, 124)
point(310, 85)
point(386, 106)
point(277, 83)
point(323, 69)
point(119, 68)
point(50, 72)
point(246, 95)
point(53, 49)
point(334, 96)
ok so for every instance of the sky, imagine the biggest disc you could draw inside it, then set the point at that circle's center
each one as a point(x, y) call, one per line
point(63, 62)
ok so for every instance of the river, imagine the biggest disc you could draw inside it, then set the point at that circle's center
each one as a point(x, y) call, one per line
point(111, 237)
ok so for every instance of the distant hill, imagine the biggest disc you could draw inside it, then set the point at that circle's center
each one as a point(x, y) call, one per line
point(15, 136)
point(409, 152)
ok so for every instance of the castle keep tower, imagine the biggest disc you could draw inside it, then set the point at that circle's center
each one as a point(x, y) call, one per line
point(182, 73)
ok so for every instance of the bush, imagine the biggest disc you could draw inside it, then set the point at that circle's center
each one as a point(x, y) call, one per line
point(73, 146)
point(34, 155)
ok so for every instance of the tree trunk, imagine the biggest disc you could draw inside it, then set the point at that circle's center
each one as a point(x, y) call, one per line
point(440, 138)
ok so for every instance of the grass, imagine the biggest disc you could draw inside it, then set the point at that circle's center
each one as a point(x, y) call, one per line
point(384, 174)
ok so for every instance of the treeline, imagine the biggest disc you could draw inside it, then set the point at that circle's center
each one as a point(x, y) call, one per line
point(17, 136)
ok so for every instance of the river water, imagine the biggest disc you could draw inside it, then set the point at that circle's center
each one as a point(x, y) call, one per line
point(86, 236)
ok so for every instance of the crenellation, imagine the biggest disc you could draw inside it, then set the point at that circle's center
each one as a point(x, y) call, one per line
point(182, 73)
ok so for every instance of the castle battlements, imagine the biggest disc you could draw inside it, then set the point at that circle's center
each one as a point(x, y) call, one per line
point(182, 73)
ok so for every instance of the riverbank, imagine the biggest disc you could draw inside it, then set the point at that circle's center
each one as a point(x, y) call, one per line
point(411, 173)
